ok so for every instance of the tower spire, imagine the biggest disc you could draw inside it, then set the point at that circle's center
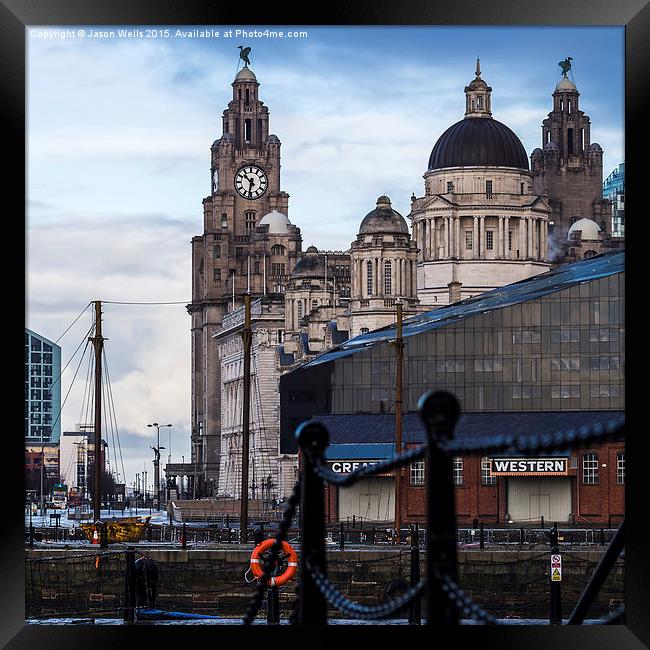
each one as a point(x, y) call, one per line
point(478, 67)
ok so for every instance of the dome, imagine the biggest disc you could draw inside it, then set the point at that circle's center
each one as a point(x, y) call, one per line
point(245, 74)
point(312, 250)
point(277, 222)
point(589, 229)
point(478, 141)
point(594, 146)
point(383, 219)
point(550, 146)
point(565, 84)
point(273, 138)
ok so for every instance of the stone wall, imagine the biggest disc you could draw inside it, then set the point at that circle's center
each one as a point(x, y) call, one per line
point(506, 583)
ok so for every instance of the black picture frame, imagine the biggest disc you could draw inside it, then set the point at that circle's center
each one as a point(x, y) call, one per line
point(633, 14)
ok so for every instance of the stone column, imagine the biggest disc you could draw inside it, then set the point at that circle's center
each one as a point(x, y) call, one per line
point(475, 251)
point(457, 237)
point(413, 275)
point(499, 241)
point(481, 236)
point(544, 240)
point(529, 230)
point(507, 253)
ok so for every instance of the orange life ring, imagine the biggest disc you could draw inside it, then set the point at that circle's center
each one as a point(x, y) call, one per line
point(257, 568)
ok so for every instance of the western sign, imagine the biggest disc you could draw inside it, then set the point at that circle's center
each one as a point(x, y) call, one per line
point(529, 466)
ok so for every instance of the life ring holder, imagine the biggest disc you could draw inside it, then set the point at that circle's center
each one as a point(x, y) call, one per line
point(256, 563)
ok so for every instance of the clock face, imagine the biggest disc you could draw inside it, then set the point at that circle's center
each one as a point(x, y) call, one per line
point(251, 182)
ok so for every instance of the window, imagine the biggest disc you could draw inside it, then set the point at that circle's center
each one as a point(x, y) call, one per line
point(247, 130)
point(479, 100)
point(620, 467)
point(249, 218)
point(488, 189)
point(364, 330)
point(569, 138)
point(216, 251)
point(469, 240)
point(486, 476)
point(590, 468)
point(369, 277)
point(489, 240)
point(521, 188)
point(217, 275)
point(280, 336)
point(299, 310)
point(388, 278)
point(450, 187)
point(509, 240)
point(277, 269)
point(224, 220)
point(417, 472)
point(256, 268)
point(457, 471)
point(278, 249)
point(314, 304)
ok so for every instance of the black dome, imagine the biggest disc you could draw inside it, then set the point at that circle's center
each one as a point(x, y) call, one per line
point(478, 141)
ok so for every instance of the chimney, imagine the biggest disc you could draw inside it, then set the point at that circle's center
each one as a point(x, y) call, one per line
point(454, 291)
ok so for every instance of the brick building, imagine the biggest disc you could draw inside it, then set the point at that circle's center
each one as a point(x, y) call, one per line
point(540, 355)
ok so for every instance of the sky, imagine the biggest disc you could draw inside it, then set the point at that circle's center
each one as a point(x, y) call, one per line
point(119, 131)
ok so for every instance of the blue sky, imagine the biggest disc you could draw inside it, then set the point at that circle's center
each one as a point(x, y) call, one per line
point(118, 141)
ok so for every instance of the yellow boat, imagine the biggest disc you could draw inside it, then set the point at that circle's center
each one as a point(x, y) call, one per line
point(124, 529)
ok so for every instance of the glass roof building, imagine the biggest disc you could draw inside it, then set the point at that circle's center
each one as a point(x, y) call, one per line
point(42, 390)
point(548, 344)
point(614, 190)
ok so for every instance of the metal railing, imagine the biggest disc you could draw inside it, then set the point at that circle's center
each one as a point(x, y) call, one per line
point(445, 600)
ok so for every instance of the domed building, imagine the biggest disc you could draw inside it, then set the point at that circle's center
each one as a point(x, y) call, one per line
point(383, 259)
point(479, 225)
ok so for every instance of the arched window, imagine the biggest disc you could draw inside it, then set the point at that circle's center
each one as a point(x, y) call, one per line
point(278, 249)
point(388, 278)
point(589, 254)
point(480, 101)
point(369, 277)
point(299, 311)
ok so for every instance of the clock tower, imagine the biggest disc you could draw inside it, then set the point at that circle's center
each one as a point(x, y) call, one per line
point(248, 244)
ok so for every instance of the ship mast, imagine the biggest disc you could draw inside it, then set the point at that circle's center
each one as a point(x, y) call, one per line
point(246, 336)
point(399, 355)
point(98, 344)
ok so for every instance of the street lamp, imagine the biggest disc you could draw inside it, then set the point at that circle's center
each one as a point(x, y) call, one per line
point(157, 460)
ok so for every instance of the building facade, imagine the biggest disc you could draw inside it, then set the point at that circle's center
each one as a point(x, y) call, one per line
point(540, 355)
point(568, 169)
point(247, 244)
point(480, 224)
point(614, 190)
point(42, 390)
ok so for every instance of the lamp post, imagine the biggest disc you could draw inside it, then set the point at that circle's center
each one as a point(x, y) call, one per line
point(42, 469)
point(157, 460)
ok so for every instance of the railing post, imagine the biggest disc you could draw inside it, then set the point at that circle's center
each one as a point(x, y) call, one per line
point(482, 538)
point(439, 412)
point(184, 536)
point(602, 537)
point(372, 536)
point(31, 535)
point(129, 586)
point(415, 612)
point(272, 606)
point(521, 537)
point(103, 542)
point(342, 539)
point(555, 615)
point(312, 607)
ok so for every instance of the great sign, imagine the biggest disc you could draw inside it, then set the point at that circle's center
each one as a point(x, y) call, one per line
point(345, 467)
point(529, 466)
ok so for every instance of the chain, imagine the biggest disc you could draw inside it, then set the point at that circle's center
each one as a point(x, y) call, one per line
point(335, 598)
point(269, 562)
point(464, 603)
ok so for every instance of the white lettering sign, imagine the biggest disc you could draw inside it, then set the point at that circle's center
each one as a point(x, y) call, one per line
point(539, 466)
point(346, 467)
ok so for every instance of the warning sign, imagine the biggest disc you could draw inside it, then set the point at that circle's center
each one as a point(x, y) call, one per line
point(556, 568)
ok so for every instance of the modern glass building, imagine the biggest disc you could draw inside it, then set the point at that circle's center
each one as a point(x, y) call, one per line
point(42, 390)
point(614, 189)
point(536, 356)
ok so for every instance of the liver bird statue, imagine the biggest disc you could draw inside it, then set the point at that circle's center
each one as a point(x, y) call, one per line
point(243, 54)
point(565, 65)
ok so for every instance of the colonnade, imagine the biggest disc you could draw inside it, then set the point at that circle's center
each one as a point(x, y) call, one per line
point(443, 237)
point(403, 277)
